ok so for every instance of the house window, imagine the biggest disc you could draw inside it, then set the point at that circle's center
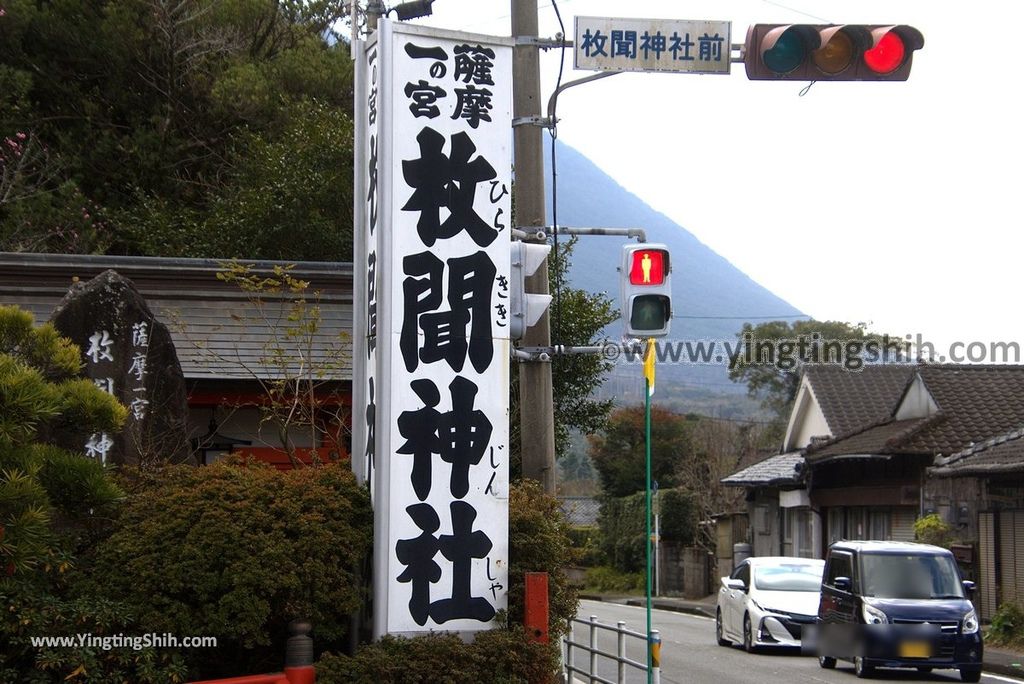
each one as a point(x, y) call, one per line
point(796, 532)
point(880, 524)
point(836, 521)
point(857, 523)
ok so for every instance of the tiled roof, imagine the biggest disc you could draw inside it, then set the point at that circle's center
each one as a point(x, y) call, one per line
point(1001, 454)
point(885, 437)
point(974, 402)
point(978, 401)
point(217, 332)
point(781, 469)
point(852, 400)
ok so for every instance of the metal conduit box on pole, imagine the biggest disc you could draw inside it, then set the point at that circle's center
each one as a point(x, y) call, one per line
point(526, 308)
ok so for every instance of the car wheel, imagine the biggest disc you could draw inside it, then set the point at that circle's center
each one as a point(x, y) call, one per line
point(827, 662)
point(719, 634)
point(748, 635)
point(970, 675)
point(862, 669)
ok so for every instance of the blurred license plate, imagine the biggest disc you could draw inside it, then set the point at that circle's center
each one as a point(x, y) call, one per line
point(915, 649)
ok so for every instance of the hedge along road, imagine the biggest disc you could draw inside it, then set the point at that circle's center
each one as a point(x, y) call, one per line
point(689, 655)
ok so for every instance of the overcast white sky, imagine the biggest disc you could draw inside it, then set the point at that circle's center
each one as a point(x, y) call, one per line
point(890, 203)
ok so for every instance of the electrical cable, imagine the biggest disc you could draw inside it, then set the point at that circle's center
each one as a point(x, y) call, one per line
point(554, 178)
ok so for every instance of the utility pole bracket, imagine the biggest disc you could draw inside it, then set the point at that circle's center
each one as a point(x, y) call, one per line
point(542, 121)
point(530, 233)
point(544, 43)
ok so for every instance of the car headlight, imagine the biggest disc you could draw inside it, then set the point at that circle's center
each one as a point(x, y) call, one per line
point(874, 616)
point(970, 622)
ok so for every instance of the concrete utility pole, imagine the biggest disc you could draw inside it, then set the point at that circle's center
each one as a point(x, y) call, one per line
point(536, 409)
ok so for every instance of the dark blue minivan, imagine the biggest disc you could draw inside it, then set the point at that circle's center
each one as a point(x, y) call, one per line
point(897, 604)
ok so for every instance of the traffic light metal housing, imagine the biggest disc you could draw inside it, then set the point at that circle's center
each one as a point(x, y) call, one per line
point(830, 52)
point(645, 277)
point(525, 309)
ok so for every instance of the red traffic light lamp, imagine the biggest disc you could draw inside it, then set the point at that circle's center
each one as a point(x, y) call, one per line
point(830, 52)
point(646, 290)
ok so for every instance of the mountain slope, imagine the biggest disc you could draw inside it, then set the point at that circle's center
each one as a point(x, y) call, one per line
point(712, 297)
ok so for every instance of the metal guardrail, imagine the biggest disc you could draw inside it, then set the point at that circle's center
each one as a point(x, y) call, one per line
point(619, 657)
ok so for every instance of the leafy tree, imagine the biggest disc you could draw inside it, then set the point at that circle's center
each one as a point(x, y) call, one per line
point(54, 506)
point(618, 452)
point(773, 373)
point(581, 319)
point(175, 127)
point(298, 366)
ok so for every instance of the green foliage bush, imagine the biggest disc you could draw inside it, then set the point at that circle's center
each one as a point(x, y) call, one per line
point(497, 656)
point(586, 545)
point(622, 522)
point(1007, 626)
point(539, 542)
point(932, 529)
point(236, 551)
point(610, 580)
point(678, 521)
point(54, 507)
point(623, 531)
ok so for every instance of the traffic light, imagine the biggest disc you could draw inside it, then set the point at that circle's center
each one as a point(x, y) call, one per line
point(526, 309)
point(646, 277)
point(830, 52)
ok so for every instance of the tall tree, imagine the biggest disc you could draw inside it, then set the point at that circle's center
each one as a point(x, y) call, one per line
point(578, 318)
point(619, 452)
point(772, 370)
point(144, 126)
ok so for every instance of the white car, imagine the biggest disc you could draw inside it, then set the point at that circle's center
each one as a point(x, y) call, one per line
point(768, 601)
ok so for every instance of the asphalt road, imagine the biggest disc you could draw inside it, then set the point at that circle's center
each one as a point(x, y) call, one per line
point(689, 654)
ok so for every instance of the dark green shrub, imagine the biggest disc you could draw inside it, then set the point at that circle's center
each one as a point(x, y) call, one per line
point(610, 580)
point(497, 656)
point(623, 526)
point(623, 531)
point(1007, 626)
point(237, 551)
point(678, 516)
point(932, 529)
point(586, 546)
point(539, 542)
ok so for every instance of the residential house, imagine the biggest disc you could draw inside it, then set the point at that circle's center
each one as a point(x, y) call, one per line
point(232, 346)
point(981, 489)
point(868, 452)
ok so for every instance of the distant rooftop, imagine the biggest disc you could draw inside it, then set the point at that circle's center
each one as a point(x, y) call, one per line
point(775, 470)
point(217, 331)
point(1001, 454)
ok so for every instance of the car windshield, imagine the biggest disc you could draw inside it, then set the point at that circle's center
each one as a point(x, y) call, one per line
point(909, 576)
point(788, 577)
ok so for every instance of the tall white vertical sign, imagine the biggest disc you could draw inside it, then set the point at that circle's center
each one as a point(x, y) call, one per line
point(439, 280)
point(366, 234)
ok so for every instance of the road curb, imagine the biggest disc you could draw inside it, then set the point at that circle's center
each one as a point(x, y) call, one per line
point(674, 607)
point(1006, 670)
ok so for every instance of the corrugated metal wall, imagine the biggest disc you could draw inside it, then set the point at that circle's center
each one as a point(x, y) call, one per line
point(987, 596)
point(903, 524)
point(1011, 556)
